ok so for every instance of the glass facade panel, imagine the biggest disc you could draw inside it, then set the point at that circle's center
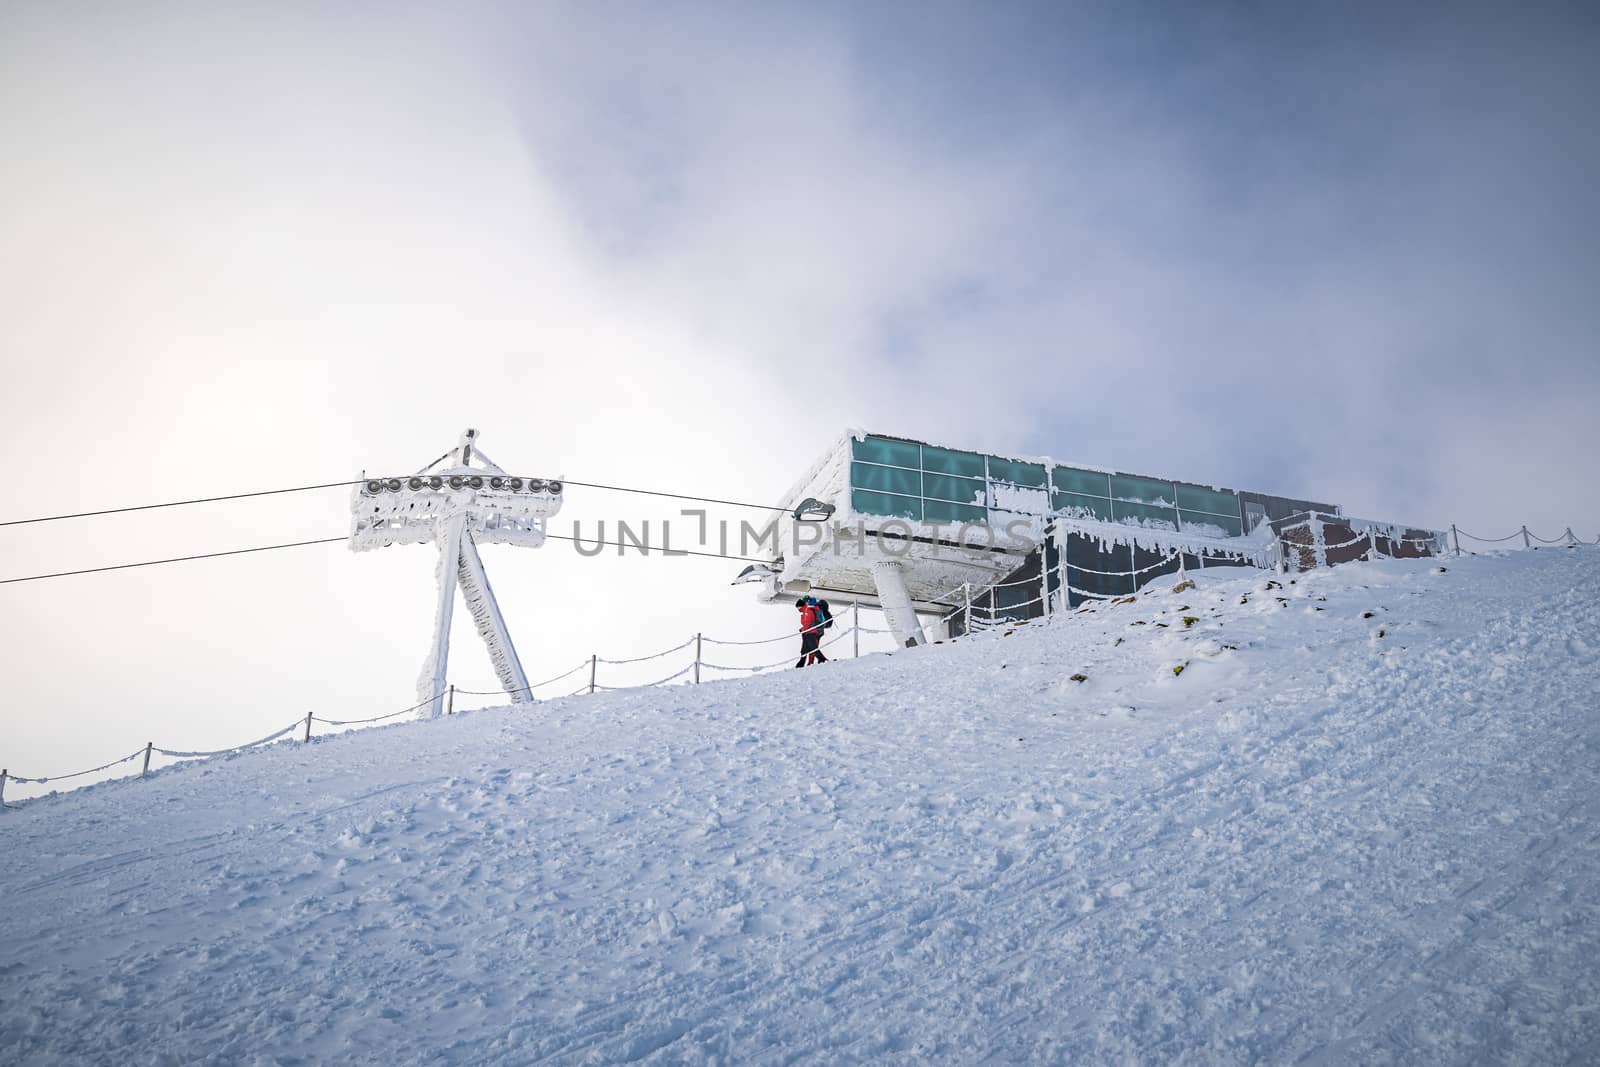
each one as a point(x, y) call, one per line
point(910, 480)
point(944, 461)
point(1124, 510)
point(945, 511)
point(1086, 564)
point(884, 450)
point(1229, 523)
point(1144, 490)
point(1143, 558)
point(1194, 498)
point(885, 479)
point(1008, 470)
point(944, 487)
point(1011, 599)
point(866, 502)
point(1074, 504)
point(1090, 483)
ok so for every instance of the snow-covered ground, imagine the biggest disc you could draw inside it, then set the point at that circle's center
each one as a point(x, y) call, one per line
point(1331, 838)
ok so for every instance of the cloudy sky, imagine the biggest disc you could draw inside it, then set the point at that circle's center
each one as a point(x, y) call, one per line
point(1343, 252)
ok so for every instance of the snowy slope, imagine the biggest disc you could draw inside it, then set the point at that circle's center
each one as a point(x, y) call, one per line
point(1321, 845)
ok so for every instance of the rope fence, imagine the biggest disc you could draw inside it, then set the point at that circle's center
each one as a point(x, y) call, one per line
point(592, 685)
point(978, 617)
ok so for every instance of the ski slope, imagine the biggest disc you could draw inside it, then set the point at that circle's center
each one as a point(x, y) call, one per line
point(1330, 839)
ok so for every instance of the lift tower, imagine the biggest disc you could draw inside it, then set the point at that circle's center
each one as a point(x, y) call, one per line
point(459, 501)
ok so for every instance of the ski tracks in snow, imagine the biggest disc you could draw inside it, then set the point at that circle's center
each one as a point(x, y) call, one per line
point(1314, 843)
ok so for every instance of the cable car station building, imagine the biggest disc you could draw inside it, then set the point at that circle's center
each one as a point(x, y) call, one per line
point(922, 528)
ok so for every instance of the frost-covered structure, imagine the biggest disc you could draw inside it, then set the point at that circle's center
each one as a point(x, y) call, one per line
point(458, 506)
point(923, 528)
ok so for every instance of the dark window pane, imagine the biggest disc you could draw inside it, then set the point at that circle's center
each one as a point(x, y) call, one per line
point(1229, 524)
point(1124, 510)
point(1012, 598)
point(1081, 506)
point(1144, 490)
point(1194, 498)
point(944, 511)
point(884, 450)
point(1090, 483)
point(944, 461)
point(865, 502)
point(1144, 558)
point(944, 487)
point(1008, 470)
point(886, 479)
point(1084, 562)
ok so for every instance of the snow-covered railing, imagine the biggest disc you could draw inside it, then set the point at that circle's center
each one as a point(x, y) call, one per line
point(1304, 542)
point(1567, 538)
point(978, 616)
point(691, 671)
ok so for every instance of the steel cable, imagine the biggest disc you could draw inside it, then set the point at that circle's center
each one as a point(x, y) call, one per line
point(236, 748)
point(642, 659)
point(75, 774)
point(1488, 540)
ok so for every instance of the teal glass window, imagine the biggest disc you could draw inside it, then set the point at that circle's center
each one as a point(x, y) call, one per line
point(886, 479)
point(1089, 483)
point(866, 502)
point(944, 461)
point(946, 511)
point(1194, 498)
point(1124, 510)
point(1144, 490)
point(1076, 504)
point(944, 487)
point(1009, 470)
point(1228, 523)
point(886, 450)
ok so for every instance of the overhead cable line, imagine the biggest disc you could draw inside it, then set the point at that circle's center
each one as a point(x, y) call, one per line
point(644, 550)
point(175, 559)
point(337, 485)
point(177, 503)
point(681, 496)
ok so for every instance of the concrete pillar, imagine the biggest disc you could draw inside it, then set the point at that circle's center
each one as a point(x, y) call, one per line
point(888, 575)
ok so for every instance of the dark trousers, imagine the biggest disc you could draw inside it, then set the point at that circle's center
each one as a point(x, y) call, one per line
point(809, 653)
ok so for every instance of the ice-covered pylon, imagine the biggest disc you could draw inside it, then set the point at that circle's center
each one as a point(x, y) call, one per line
point(459, 501)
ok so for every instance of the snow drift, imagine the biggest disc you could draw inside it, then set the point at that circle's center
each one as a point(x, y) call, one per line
point(1348, 819)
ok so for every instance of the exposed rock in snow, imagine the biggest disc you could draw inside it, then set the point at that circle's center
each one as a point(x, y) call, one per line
point(1309, 845)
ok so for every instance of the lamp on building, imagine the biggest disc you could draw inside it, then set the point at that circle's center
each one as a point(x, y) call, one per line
point(812, 510)
point(756, 572)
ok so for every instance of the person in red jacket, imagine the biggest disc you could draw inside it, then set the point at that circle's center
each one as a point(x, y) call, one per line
point(810, 633)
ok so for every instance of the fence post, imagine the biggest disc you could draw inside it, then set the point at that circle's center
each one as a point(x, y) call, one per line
point(308, 727)
point(148, 745)
point(1455, 538)
point(855, 628)
point(1571, 538)
point(593, 662)
point(1372, 545)
point(450, 701)
point(1044, 582)
point(966, 610)
point(3, 772)
point(697, 638)
point(1526, 543)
